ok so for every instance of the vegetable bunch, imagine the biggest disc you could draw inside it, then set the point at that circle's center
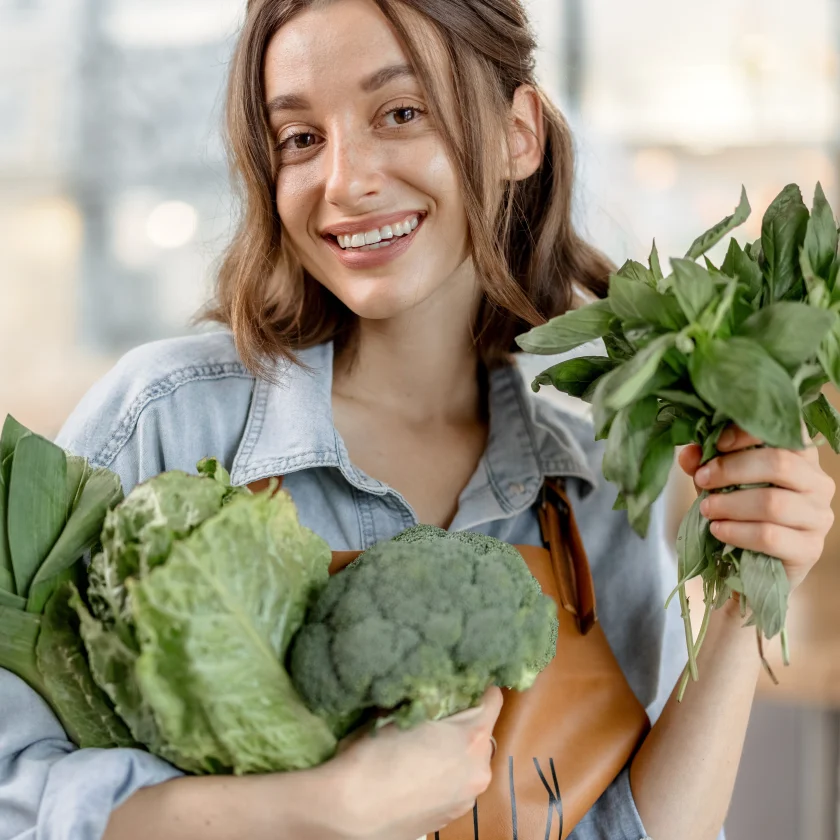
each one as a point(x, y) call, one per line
point(178, 636)
point(52, 506)
point(752, 341)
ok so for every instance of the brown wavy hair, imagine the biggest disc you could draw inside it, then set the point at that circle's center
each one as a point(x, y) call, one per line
point(527, 254)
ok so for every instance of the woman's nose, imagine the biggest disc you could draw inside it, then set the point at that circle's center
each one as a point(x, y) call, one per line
point(353, 171)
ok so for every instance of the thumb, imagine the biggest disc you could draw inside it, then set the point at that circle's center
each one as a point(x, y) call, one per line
point(690, 458)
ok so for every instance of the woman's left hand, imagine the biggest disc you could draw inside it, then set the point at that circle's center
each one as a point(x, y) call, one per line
point(789, 520)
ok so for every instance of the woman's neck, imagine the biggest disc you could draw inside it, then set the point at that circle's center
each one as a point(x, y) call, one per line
point(422, 366)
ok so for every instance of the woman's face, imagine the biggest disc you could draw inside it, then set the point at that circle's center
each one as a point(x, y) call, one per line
point(366, 193)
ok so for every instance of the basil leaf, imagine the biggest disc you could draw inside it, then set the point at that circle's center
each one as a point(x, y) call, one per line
point(627, 442)
point(633, 270)
point(684, 398)
point(739, 378)
point(682, 431)
point(755, 252)
point(618, 348)
point(818, 293)
point(710, 443)
point(655, 265)
point(655, 471)
point(712, 236)
point(631, 300)
point(782, 235)
point(820, 244)
point(575, 376)
point(789, 331)
point(692, 556)
point(829, 354)
point(766, 589)
point(811, 381)
point(738, 264)
point(638, 377)
point(822, 416)
point(568, 331)
point(693, 287)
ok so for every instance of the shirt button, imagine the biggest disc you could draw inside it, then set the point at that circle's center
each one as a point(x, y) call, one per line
point(517, 489)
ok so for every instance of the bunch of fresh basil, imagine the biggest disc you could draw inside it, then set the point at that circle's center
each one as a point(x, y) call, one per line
point(752, 342)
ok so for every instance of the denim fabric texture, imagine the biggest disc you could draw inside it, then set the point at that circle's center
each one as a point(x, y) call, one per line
point(168, 404)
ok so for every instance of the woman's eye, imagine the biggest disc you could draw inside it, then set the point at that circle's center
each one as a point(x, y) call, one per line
point(403, 116)
point(299, 142)
point(303, 141)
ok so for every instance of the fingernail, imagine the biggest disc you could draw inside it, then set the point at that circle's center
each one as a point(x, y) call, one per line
point(704, 506)
point(703, 475)
point(727, 438)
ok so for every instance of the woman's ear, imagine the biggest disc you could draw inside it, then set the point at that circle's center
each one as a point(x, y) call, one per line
point(526, 133)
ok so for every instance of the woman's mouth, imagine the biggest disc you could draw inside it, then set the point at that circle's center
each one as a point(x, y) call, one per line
point(376, 246)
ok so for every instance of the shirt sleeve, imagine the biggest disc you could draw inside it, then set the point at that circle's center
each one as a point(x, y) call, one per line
point(51, 790)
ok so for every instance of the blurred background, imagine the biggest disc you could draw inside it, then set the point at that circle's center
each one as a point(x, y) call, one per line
point(114, 208)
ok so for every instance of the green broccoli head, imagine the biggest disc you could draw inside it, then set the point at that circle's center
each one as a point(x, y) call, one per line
point(480, 543)
point(420, 628)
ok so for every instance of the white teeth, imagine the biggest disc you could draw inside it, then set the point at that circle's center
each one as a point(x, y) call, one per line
point(372, 238)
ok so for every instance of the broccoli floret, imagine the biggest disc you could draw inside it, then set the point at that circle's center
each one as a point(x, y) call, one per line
point(480, 543)
point(420, 634)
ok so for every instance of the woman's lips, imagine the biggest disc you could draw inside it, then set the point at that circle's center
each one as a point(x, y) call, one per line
point(359, 259)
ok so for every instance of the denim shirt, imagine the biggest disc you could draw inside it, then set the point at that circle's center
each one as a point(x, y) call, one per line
point(168, 404)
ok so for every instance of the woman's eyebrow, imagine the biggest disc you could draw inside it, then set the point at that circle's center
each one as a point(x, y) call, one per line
point(377, 80)
point(387, 74)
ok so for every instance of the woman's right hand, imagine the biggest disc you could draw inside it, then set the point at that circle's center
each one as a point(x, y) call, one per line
point(403, 784)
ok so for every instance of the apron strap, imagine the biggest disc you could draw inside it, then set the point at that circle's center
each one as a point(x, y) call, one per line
point(568, 555)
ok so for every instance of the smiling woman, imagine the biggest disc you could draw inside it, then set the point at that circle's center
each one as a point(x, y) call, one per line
point(391, 112)
point(406, 214)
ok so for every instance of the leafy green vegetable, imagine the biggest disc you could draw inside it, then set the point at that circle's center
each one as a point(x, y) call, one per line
point(37, 507)
point(632, 300)
point(782, 235)
point(52, 506)
point(711, 237)
point(741, 379)
point(568, 331)
point(191, 605)
point(790, 331)
point(83, 708)
point(824, 419)
point(694, 288)
point(213, 632)
point(821, 236)
point(751, 343)
point(575, 376)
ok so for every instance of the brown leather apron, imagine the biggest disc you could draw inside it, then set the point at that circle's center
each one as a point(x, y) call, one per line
point(562, 742)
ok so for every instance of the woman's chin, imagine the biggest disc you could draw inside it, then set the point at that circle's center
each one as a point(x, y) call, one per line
point(381, 304)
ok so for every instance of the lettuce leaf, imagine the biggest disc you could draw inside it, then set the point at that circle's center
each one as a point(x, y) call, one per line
point(213, 624)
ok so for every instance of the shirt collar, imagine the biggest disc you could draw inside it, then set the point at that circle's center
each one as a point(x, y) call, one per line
point(290, 428)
